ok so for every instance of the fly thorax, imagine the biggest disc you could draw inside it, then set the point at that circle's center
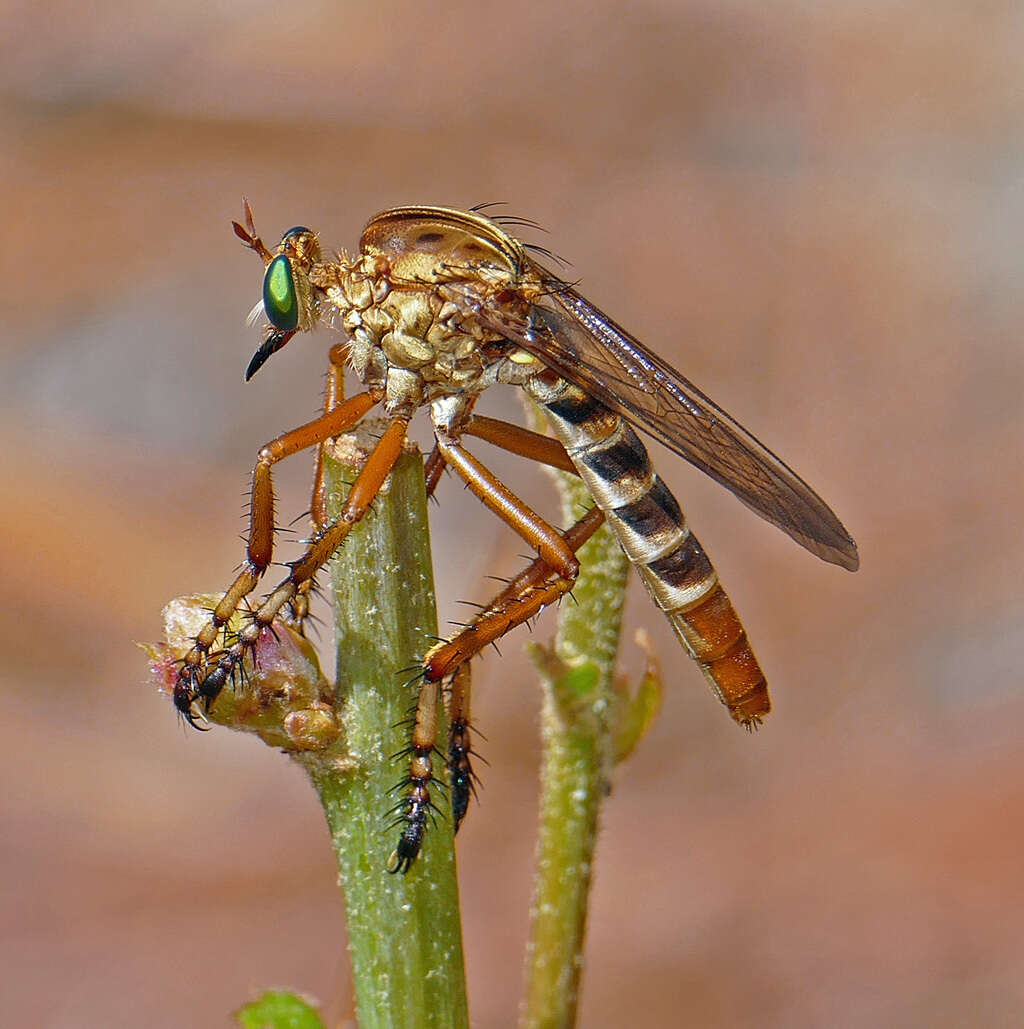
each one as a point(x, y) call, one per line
point(417, 330)
point(405, 342)
point(402, 328)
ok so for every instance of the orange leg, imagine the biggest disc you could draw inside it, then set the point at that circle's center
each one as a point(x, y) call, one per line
point(517, 440)
point(546, 540)
point(530, 592)
point(525, 596)
point(551, 575)
point(557, 556)
point(416, 805)
point(513, 438)
point(334, 395)
point(520, 600)
point(196, 679)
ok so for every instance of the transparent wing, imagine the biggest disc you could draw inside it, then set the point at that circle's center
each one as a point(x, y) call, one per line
point(582, 344)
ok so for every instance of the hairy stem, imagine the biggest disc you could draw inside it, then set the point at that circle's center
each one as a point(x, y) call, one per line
point(578, 724)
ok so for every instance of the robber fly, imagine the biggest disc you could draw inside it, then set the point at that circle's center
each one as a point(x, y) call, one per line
point(438, 305)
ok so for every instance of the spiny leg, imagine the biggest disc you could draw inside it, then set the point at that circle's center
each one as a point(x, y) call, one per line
point(545, 539)
point(433, 468)
point(416, 805)
point(461, 778)
point(327, 540)
point(412, 809)
point(334, 395)
point(538, 571)
point(545, 450)
point(521, 599)
point(556, 555)
point(196, 679)
point(448, 665)
point(525, 596)
point(513, 438)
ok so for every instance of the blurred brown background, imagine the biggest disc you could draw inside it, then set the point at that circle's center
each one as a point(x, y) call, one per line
point(815, 211)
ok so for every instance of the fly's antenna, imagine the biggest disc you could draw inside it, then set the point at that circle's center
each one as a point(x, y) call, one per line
point(247, 233)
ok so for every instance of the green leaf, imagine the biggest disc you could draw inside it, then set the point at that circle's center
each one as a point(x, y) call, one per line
point(635, 714)
point(279, 1010)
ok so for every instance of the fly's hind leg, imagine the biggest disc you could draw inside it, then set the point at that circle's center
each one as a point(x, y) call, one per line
point(516, 440)
point(513, 438)
point(447, 665)
point(461, 777)
point(546, 579)
point(416, 805)
point(549, 543)
point(201, 677)
point(523, 598)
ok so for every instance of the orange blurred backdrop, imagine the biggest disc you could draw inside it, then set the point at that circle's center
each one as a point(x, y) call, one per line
point(814, 211)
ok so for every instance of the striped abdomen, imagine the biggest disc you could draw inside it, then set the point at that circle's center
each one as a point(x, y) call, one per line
point(652, 530)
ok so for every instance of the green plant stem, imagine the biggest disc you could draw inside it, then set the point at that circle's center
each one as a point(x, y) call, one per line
point(404, 931)
point(577, 729)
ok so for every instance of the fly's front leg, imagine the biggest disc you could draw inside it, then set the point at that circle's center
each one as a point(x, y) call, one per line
point(320, 550)
point(326, 541)
point(334, 395)
point(197, 680)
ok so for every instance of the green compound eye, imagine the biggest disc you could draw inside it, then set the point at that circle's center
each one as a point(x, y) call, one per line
point(279, 300)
